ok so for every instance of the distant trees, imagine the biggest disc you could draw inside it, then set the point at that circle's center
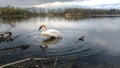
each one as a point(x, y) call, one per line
point(9, 10)
point(77, 12)
point(67, 12)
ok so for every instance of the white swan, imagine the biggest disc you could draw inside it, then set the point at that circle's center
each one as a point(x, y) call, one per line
point(49, 32)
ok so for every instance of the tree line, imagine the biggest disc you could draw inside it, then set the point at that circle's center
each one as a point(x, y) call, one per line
point(66, 12)
point(77, 12)
point(13, 11)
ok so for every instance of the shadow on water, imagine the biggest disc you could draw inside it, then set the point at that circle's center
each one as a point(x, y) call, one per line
point(22, 47)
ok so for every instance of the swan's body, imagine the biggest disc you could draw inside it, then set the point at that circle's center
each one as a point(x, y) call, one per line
point(49, 32)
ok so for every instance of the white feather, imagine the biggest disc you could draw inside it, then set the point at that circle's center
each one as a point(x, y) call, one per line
point(51, 33)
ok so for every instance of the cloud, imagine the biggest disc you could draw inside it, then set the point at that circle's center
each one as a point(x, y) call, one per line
point(105, 4)
point(26, 3)
point(108, 6)
point(63, 3)
point(55, 4)
point(99, 2)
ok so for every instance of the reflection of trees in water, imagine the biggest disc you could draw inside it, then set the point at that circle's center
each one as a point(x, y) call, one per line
point(10, 21)
point(13, 19)
point(45, 43)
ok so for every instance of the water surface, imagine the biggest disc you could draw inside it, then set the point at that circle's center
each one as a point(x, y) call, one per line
point(99, 49)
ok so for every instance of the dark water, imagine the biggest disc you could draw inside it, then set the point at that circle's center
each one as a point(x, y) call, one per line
point(99, 49)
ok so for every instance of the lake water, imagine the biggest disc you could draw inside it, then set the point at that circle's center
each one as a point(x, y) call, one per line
point(99, 49)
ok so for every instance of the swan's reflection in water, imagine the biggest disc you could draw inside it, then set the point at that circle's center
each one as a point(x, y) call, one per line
point(46, 42)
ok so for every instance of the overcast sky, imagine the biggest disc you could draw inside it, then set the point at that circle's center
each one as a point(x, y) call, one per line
point(63, 3)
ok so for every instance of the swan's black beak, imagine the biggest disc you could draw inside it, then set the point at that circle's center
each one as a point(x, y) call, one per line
point(40, 28)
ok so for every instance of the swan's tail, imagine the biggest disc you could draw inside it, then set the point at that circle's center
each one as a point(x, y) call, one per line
point(61, 35)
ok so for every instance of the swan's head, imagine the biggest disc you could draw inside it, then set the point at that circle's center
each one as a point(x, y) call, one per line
point(42, 26)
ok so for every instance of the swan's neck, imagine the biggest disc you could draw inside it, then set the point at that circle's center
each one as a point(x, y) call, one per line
point(44, 29)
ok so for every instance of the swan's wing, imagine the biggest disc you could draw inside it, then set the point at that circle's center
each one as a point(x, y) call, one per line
point(52, 31)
